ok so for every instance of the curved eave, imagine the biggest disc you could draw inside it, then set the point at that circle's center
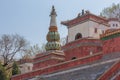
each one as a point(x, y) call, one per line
point(113, 19)
point(116, 33)
point(66, 23)
point(83, 18)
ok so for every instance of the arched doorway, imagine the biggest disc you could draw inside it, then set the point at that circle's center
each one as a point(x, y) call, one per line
point(78, 36)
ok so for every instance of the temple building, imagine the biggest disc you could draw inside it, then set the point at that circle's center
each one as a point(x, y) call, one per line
point(92, 51)
point(114, 23)
point(25, 64)
point(86, 25)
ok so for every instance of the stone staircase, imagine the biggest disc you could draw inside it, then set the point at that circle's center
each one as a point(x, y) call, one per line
point(88, 72)
point(111, 72)
point(115, 76)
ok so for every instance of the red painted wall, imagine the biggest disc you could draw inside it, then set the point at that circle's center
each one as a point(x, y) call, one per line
point(46, 60)
point(58, 67)
point(45, 63)
point(118, 77)
point(81, 48)
point(44, 56)
point(111, 45)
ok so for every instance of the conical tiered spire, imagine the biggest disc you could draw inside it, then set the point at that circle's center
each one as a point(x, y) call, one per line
point(53, 37)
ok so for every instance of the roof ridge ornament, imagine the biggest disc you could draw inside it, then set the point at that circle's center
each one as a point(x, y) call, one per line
point(83, 12)
point(79, 14)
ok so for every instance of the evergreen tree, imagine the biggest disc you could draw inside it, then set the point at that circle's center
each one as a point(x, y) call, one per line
point(3, 75)
point(15, 69)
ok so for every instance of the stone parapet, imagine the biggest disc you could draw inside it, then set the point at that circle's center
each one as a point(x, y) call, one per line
point(110, 72)
point(58, 67)
point(49, 58)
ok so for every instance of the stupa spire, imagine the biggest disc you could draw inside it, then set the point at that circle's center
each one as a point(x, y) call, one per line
point(53, 36)
point(53, 17)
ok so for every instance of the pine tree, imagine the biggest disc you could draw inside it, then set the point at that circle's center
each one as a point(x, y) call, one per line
point(15, 69)
point(3, 75)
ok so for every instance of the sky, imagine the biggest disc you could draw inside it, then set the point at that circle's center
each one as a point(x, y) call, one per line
point(30, 18)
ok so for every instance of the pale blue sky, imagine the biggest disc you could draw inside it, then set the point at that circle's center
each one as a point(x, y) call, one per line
point(30, 18)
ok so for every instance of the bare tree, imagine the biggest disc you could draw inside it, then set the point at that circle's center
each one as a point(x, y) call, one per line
point(33, 50)
point(10, 45)
point(112, 11)
point(63, 41)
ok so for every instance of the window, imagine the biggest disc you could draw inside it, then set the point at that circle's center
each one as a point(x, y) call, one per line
point(95, 30)
point(116, 25)
point(102, 31)
point(28, 67)
point(20, 66)
point(78, 36)
point(73, 58)
point(113, 25)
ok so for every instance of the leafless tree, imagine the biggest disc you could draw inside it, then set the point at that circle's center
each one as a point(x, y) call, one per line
point(63, 41)
point(33, 50)
point(10, 45)
point(112, 11)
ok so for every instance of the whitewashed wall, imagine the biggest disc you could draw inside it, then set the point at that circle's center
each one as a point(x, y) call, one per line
point(86, 29)
point(24, 67)
point(114, 22)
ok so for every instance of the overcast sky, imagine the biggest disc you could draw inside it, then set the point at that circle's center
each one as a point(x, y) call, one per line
point(30, 18)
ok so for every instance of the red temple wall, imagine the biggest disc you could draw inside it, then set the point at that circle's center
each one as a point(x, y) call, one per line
point(111, 45)
point(59, 67)
point(73, 49)
point(117, 77)
point(38, 58)
point(79, 52)
point(47, 60)
point(45, 63)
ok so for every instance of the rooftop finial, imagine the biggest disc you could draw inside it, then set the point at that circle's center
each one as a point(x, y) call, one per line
point(79, 15)
point(53, 11)
point(83, 12)
point(87, 11)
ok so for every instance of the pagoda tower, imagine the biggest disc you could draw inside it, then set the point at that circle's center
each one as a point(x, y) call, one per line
point(53, 36)
point(53, 54)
